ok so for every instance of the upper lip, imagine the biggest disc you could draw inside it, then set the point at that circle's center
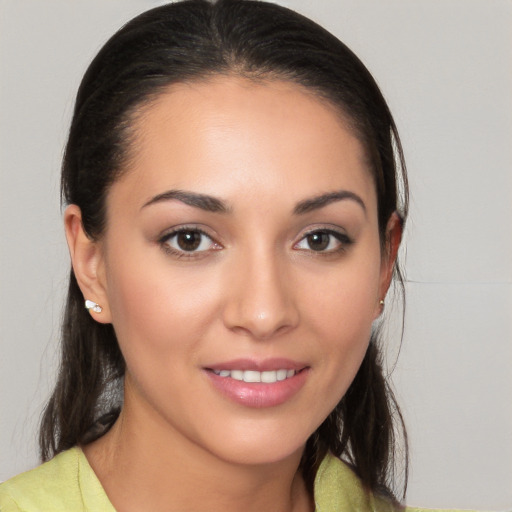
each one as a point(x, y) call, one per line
point(258, 365)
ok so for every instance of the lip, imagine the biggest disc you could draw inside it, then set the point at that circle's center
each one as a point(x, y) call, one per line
point(258, 395)
point(260, 366)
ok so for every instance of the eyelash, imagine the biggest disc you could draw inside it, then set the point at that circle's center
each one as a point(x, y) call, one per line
point(343, 240)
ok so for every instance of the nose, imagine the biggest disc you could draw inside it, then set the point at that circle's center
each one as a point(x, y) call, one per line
point(262, 302)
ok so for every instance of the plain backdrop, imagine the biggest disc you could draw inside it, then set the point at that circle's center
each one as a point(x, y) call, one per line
point(445, 68)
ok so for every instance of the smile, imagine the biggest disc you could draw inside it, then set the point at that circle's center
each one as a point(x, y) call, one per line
point(260, 384)
point(267, 377)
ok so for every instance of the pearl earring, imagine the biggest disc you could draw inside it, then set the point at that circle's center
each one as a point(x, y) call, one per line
point(89, 304)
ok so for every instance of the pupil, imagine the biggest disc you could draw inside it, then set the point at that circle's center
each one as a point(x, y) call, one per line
point(189, 240)
point(318, 241)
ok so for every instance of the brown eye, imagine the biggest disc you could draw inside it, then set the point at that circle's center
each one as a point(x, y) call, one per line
point(188, 240)
point(324, 241)
point(191, 241)
point(318, 241)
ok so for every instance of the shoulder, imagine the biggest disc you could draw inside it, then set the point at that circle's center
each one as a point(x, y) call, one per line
point(338, 489)
point(47, 485)
point(64, 484)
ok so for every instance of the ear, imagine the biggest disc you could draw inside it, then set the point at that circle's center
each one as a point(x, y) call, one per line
point(88, 263)
point(393, 237)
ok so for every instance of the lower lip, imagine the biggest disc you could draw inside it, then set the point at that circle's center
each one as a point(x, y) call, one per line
point(257, 394)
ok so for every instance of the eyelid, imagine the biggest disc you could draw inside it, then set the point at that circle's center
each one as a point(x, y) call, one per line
point(326, 228)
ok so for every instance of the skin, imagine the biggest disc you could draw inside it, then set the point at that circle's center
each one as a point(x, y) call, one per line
point(254, 289)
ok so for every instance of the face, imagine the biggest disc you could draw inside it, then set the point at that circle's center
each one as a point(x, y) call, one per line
point(241, 266)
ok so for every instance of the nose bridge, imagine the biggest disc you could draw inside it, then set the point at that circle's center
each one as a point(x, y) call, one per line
point(262, 301)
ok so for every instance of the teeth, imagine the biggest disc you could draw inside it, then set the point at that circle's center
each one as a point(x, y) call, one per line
point(267, 377)
point(281, 374)
point(237, 374)
point(251, 376)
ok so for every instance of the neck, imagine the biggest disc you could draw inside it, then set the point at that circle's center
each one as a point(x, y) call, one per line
point(144, 465)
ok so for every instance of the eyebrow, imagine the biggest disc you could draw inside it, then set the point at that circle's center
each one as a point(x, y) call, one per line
point(320, 201)
point(202, 201)
point(215, 205)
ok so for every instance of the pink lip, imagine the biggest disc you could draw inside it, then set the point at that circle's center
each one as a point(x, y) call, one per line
point(260, 366)
point(257, 394)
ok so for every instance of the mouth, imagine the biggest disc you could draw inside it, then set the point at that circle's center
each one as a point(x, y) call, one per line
point(258, 384)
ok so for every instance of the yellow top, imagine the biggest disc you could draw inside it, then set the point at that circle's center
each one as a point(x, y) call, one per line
point(67, 483)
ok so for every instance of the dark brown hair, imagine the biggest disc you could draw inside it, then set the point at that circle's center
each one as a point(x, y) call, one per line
point(187, 41)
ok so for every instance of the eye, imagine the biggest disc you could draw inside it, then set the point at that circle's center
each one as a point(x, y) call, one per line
point(188, 241)
point(323, 240)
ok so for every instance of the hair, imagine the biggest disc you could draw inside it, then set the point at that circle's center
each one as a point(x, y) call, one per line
point(189, 41)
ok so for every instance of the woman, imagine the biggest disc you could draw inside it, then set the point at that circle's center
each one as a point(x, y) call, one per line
point(232, 178)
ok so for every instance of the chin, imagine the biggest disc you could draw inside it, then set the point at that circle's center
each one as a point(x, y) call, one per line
point(261, 445)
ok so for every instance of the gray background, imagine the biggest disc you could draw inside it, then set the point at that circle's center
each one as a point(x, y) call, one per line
point(445, 68)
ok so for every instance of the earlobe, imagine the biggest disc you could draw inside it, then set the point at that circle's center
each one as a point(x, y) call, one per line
point(88, 265)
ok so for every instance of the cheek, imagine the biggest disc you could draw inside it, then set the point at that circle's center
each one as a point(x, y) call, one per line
point(341, 314)
point(153, 307)
point(159, 329)
point(345, 302)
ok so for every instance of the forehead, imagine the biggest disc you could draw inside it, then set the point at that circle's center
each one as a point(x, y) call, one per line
point(215, 136)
